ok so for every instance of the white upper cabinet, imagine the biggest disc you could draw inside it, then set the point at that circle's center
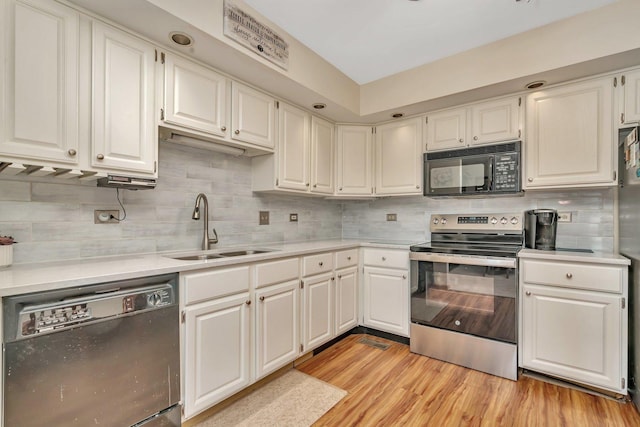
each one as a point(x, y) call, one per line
point(482, 123)
point(39, 92)
point(253, 116)
point(293, 148)
point(195, 96)
point(447, 129)
point(322, 156)
point(570, 136)
point(495, 121)
point(398, 153)
point(631, 94)
point(123, 126)
point(354, 161)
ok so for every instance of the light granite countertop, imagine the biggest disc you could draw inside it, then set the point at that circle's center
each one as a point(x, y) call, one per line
point(37, 277)
point(568, 255)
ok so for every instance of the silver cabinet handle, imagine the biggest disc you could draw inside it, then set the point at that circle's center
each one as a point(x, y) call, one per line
point(248, 302)
point(339, 276)
point(384, 259)
point(72, 152)
point(262, 298)
point(307, 184)
point(100, 156)
point(461, 140)
point(348, 258)
point(237, 132)
point(569, 275)
point(321, 263)
point(404, 276)
point(417, 187)
point(315, 185)
point(340, 189)
point(223, 128)
point(528, 293)
point(475, 138)
point(333, 278)
point(530, 179)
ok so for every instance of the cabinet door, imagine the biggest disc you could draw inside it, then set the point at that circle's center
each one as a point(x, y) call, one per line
point(39, 95)
point(354, 160)
point(317, 311)
point(277, 337)
point(631, 96)
point(253, 116)
point(124, 128)
point(447, 129)
point(386, 300)
point(293, 148)
point(495, 121)
point(194, 96)
point(573, 334)
point(399, 157)
point(217, 351)
point(346, 300)
point(570, 136)
point(322, 155)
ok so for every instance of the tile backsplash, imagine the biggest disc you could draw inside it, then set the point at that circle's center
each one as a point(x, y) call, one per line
point(53, 220)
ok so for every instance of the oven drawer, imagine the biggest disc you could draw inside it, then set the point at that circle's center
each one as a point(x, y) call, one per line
point(572, 275)
point(386, 258)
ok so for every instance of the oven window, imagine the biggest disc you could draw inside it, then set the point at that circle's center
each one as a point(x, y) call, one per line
point(459, 175)
point(478, 300)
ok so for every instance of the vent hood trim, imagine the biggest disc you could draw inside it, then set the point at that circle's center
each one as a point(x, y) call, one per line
point(179, 137)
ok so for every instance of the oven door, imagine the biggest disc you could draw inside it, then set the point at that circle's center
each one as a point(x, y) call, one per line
point(451, 176)
point(470, 294)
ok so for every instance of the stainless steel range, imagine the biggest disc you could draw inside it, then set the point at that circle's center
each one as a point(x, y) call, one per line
point(464, 286)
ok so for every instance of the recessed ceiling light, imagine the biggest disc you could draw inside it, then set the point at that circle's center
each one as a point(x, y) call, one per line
point(181, 38)
point(535, 85)
point(397, 115)
point(319, 106)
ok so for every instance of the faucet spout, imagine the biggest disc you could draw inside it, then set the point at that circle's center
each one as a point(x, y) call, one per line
point(206, 241)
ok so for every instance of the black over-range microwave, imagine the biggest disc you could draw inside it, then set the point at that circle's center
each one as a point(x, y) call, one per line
point(483, 170)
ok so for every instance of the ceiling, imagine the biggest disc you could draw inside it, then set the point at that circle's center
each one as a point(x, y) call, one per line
point(371, 39)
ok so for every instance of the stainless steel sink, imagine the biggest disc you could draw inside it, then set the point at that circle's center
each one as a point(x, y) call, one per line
point(202, 257)
point(243, 252)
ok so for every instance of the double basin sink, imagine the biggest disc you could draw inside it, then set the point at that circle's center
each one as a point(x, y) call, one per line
point(228, 254)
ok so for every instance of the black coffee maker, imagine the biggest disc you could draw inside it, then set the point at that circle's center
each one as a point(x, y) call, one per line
point(540, 229)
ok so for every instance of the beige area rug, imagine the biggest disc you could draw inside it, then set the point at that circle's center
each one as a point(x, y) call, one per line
point(292, 400)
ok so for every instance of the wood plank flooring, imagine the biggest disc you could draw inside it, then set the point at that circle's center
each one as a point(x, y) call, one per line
point(395, 387)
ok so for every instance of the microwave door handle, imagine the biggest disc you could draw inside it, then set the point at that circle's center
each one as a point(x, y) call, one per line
point(466, 260)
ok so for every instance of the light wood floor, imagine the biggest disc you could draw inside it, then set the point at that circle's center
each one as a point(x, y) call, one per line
point(396, 387)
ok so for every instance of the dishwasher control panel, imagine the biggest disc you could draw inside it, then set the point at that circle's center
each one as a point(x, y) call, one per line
point(47, 317)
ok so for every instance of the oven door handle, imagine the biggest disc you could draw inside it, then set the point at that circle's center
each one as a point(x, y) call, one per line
point(462, 259)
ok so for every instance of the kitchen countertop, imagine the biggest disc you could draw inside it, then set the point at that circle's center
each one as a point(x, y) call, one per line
point(37, 277)
point(568, 255)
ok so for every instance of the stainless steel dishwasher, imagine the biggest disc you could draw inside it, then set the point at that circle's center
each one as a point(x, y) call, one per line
point(103, 354)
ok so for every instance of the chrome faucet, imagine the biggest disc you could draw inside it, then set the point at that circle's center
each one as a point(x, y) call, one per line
point(206, 241)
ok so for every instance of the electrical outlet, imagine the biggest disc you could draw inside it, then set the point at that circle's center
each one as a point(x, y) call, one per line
point(264, 218)
point(392, 217)
point(106, 216)
point(564, 216)
point(293, 217)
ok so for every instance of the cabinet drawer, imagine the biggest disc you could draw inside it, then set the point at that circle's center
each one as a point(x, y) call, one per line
point(386, 258)
point(346, 258)
point(207, 284)
point(283, 270)
point(316, 264)
point(573, 275)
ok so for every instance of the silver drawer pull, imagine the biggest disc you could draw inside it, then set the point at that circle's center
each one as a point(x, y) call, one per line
point(321, 263)
point(262, 298)
point(248, 302)
point(72, 152)
point(384, 258)
point(237, 132)
point(348, 258)
point(404, 276)
point(223, 128)
point(339, 276)
point(569, 275)
point(100, 156)
point(528, 293)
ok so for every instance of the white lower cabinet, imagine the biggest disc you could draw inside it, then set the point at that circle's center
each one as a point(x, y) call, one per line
point(385, 300)
point(574, 322)
point(216, 336)
point(346, 311)
point(218, 351)
point(277, 338)
point(317, 310)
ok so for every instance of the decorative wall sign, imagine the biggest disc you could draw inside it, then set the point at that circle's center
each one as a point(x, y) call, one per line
point(246, 30)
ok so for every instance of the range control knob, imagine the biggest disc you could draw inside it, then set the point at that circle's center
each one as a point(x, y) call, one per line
point(443, 221)
point(503, 220)
point(436, 221)
point(494, 220)
point(514, 220)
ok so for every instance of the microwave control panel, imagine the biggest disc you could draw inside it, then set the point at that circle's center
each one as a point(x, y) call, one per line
point(507, 172)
